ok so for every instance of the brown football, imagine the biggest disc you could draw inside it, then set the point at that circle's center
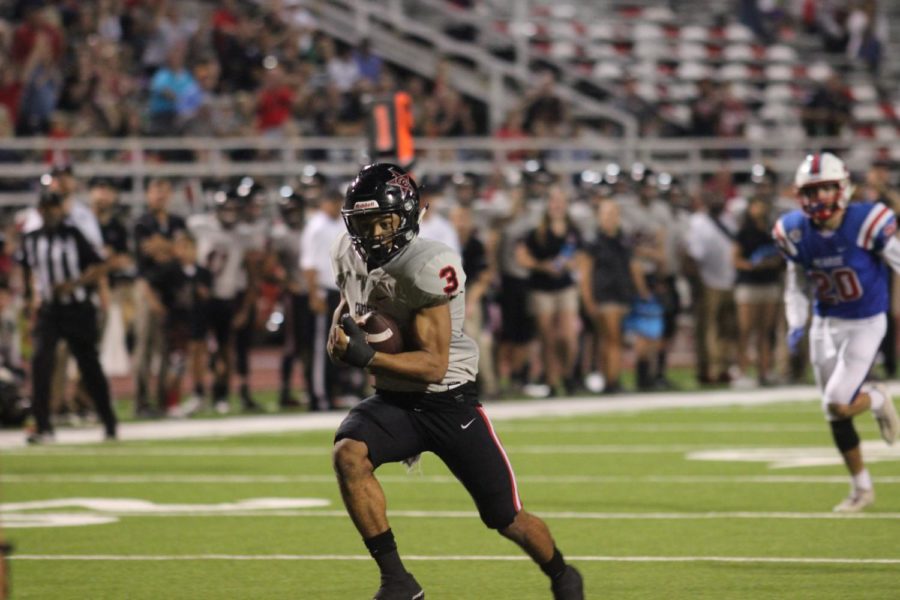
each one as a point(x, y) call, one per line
point(382, 333)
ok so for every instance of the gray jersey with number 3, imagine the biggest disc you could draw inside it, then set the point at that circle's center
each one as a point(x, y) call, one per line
point(426, 273)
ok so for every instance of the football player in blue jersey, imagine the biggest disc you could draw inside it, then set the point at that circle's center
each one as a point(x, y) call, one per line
point(843, 250)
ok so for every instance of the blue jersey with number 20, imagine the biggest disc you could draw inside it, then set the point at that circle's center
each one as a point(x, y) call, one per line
point(845, 265)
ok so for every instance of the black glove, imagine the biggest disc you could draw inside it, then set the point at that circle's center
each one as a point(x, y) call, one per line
point(358, 353)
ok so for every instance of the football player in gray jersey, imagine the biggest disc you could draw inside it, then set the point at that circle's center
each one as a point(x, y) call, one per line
point(425, 398)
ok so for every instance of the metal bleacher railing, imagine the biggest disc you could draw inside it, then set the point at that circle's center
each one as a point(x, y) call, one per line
point(282, 160)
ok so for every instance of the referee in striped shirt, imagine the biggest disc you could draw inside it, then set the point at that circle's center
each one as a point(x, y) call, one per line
point(60, 268)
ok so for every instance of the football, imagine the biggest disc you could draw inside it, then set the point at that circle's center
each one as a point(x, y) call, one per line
point(382, 332)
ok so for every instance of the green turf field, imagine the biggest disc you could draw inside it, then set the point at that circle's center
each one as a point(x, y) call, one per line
point(626, 495)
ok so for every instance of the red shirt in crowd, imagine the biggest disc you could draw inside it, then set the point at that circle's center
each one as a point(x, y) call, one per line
point(274, 107)
point(25, 37)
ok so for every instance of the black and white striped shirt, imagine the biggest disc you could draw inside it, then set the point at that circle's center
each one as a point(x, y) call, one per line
point(55, 257)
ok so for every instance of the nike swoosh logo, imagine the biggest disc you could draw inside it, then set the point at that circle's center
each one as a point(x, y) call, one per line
point(466, 426)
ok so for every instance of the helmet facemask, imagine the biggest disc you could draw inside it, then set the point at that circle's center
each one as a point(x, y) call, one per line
point(379, 236)
point(821, 207)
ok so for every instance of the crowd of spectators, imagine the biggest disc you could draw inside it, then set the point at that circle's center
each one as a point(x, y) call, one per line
point(166, 68)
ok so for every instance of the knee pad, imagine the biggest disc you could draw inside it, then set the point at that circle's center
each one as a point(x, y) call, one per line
point(844, 434)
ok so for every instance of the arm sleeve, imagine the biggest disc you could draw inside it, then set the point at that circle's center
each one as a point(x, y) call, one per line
point(796, 302)
point(307, 249)
point(783, 242)
point(439, 280)
point(878, 228)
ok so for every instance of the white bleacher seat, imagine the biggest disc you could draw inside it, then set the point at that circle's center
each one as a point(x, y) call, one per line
point(735, 32)
point(819, 71)
point(562, 50)
point(868, 113)
point(694, 33)
point(647, 31)
point(607, 70)
point(733, 72)
point(658, 14)
point(743, 92)
point(648, 91)
point(779, 73)
point(682, 91)
point(563, 11)
point(779, 92)
point(522, 29)
point(600, 51)
point(691, 51)
point(781, 53)
point(886, 132)
point(738, 53)
point(692, 71)
point(776, 112)
point(562, 30)
point(651, 49)
point(864, 92)
point(645, 70)
point(602, 30)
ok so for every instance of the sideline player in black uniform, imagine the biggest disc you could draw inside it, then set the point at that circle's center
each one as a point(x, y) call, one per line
point(426, 399)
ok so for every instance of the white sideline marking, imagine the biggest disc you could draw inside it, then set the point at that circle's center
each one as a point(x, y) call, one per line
point(498, 411)
point(422, 558)
point(326, 450)
point(199, 479)
point(586, 516)
point(660, 428)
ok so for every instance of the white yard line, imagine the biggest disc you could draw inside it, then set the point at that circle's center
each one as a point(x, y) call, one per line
point(520, 409)
point(277, 451)
point(468, 514)
point(661, 428)
point(209, 479)
point(458, 557)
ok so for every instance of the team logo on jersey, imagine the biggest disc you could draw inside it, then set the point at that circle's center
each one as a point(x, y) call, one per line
point(402, 181)
point(365, 204)
point(795, 235)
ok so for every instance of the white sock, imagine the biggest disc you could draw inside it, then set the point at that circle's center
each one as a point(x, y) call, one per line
point(862, 480)
point(876, 398)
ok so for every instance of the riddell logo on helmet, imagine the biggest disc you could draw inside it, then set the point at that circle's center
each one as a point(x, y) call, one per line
point(365, 204)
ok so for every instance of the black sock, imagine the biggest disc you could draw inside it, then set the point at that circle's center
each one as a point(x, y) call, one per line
point(245, 390)
point(556, 566)
point(287, 363)
point(200, 389)
point(661, 364)
point(383, 549)
point(643, 373)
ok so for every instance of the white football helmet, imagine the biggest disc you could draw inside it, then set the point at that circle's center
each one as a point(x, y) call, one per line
point(816, 170)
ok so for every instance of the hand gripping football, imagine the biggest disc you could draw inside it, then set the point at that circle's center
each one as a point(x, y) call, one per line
point(382, 332)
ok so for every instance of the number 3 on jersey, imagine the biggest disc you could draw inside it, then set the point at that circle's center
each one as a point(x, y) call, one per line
point(448, 274)
point(841, 285)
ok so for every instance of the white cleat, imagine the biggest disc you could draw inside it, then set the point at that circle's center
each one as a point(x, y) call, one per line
point(190, 406)
point(888, 421)
point(856, 501)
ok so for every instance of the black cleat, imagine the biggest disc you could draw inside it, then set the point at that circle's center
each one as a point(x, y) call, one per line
point(288, 402)
point(406, 588)
point(569, 585)
point(248, 404)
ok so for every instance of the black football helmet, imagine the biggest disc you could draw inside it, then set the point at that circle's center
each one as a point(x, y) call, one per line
point(381, 189)
point(228, 206)
point(292, 206)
